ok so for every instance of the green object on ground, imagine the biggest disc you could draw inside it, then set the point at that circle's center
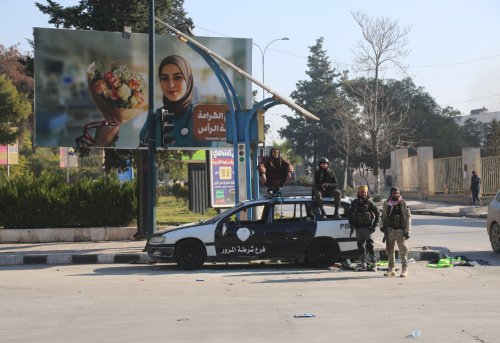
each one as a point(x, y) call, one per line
point(382, 263)
point(446, 262)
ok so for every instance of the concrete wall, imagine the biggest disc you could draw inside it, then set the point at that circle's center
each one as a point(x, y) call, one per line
point(424, 155)
point(67, 235)
point(397, 157)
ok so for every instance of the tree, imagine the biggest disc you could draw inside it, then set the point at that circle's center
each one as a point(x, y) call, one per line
point(316, 95)
point(384, 44)
point(14, 109)
point(114, 15)
point(17, 67)
point(344, 131)
point(492, 142)
point(473, 133)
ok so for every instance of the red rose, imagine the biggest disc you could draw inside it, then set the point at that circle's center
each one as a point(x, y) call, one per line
point(100, 86)
point(112, 79)
point(134, 85)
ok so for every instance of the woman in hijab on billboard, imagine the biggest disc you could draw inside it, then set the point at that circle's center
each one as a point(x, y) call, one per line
point(176, 115)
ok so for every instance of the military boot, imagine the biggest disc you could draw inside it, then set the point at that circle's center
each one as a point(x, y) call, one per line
point(336, 213)
point(373, 263)
point(404, 272)
point(390, 272)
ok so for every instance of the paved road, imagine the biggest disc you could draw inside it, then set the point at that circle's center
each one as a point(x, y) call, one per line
point(241, 303)
point(254, 303)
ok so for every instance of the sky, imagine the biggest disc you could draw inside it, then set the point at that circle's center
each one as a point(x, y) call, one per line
point(454, 45)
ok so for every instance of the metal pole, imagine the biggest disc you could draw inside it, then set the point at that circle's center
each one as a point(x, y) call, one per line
point(67, 165)
point(263, 53)
point(284, 100)
point(152, 167)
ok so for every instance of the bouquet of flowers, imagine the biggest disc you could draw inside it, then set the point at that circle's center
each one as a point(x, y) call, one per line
point(118, 93)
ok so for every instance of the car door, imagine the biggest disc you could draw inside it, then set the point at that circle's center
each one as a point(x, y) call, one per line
point(292, 227)
point(238, 235)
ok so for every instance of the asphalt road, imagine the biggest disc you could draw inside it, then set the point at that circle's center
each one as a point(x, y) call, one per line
point(257, 303)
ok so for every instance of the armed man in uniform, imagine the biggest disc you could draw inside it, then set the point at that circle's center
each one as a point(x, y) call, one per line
point(325, 185)
point(364, 217)
point(396, 220)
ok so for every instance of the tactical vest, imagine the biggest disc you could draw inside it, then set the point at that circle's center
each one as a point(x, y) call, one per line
point(361, 216)
point(395, 221)
point(399, 217)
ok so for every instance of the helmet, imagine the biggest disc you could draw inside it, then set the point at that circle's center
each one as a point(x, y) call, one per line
point(323, 160)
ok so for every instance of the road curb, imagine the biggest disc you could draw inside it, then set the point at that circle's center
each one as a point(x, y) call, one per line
point(60, 259)
point(448, 214)
point(143, 258)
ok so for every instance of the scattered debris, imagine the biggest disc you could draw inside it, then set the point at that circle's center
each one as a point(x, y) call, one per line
point(304, 315)
point(414, 334)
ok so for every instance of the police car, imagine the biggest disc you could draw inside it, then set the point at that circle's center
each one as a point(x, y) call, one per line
point(286, 228)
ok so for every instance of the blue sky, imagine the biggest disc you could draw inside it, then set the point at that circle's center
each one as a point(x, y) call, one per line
point(454, 44)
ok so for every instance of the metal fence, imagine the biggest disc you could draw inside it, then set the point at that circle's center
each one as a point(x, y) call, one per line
point(410, 172)
point(490, 178)
point(448, 175)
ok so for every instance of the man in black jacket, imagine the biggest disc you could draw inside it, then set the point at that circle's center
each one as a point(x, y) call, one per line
point(325, 185)
point(475, 181)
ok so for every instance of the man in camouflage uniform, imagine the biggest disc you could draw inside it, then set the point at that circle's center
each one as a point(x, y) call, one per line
point(396, 219)
point(364, 217)
point(325, 185)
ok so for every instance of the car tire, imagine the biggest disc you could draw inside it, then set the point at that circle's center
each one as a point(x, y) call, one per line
point(190, 254)
point(495, 237)
point(322, 253)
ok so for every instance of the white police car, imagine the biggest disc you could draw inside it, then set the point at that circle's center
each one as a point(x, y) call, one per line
point(277, 228)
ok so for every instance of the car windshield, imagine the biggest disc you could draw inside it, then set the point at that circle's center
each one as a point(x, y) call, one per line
point(224, 213)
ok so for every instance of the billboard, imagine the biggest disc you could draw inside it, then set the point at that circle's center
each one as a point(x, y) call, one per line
point(91, 89)
point(9, 154)
point(222, 178)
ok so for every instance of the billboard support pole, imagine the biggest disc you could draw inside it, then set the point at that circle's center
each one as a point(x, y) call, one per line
point(151, 164)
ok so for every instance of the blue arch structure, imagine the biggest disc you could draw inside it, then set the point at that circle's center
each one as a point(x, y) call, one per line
point(250, 121)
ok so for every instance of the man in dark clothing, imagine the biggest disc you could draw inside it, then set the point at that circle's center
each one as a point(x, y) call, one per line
point(364, 217)
point(475, 181)
point(274, 171)
point(325, 185)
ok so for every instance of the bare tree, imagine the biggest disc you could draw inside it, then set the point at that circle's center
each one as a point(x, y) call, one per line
point(384, 44)
point(345, 133)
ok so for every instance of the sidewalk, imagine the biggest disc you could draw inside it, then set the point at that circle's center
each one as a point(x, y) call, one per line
point(445, 209)
point(108, 252)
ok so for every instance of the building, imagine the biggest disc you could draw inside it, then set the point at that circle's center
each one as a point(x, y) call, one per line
point(481, 115)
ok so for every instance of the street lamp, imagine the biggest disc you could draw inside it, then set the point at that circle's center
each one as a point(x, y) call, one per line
point(263, 52)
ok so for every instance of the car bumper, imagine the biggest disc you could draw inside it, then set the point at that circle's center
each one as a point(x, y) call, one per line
point(160, 252)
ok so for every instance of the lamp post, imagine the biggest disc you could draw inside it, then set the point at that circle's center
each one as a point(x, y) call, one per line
point(263, 52)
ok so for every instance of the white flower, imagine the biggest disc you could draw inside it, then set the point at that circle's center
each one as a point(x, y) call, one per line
point(124, 92)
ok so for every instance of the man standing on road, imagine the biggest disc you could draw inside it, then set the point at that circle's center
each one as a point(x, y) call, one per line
point(396, 219)
point(325, 184)
point(274, 171)
point(475, 181)
point(364, 217)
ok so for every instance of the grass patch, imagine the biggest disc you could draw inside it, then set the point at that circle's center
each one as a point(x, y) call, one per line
point(171, 211)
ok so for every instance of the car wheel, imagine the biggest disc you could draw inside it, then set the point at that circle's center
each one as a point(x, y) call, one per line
point(495, 237)
point(190, 254)
point(322, 254)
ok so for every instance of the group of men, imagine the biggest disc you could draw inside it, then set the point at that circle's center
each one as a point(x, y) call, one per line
point(364, 216)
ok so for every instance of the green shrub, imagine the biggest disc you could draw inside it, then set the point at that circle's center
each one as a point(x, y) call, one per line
point(26, 202)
